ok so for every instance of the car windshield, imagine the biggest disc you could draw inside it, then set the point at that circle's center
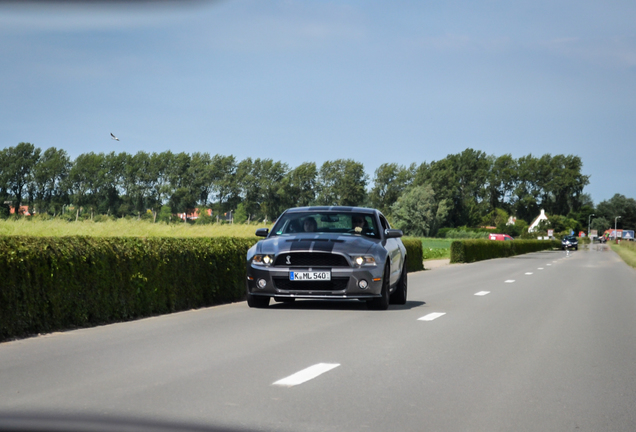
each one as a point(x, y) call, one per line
point(569, 238)
point(327, 223)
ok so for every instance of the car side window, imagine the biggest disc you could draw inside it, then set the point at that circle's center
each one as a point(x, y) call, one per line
point(384, 223)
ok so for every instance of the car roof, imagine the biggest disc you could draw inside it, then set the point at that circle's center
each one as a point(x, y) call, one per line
point(335, 209)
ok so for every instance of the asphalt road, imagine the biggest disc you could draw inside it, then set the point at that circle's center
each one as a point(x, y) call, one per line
point(548, 345)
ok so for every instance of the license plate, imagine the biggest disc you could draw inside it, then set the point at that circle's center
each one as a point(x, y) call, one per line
point(310, 275)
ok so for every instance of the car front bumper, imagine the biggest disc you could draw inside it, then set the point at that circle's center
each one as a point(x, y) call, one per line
point(344, 284)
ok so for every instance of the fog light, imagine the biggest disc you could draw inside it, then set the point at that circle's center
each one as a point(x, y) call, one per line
point(363, 284)
point(262, 283)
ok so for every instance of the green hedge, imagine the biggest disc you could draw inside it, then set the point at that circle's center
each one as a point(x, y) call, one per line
point(52, 283)
point(414, 255)
point(476, 250)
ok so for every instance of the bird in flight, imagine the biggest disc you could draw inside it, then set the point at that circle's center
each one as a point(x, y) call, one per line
point(114, 137)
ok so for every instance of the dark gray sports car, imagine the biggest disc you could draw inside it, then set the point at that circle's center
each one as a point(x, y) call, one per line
point(328, 253)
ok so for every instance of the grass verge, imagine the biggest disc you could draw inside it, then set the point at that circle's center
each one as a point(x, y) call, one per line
point(626, 251)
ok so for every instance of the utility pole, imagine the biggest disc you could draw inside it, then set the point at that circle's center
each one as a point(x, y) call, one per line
point(615, 231)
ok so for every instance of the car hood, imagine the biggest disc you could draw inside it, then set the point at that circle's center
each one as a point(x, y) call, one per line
point(336, 243)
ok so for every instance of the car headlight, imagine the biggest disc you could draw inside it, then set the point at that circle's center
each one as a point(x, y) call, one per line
point(363, 260)
point(265, 260)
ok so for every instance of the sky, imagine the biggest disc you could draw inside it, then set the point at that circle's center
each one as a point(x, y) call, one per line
point(310, 81)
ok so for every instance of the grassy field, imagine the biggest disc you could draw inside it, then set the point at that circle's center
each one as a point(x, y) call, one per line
point(627, 251)
point(121, 228)
point(435, 248)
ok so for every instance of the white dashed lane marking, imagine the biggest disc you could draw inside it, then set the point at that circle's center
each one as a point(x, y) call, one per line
point(529, 273)
point(509, 281)
point(431, 316)
point(482, 293)
point(540, 268)
point(306, 374)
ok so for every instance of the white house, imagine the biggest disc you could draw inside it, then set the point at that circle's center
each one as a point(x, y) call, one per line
point(536, 221)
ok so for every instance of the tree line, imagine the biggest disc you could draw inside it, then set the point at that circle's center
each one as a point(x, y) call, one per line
point(470, 188)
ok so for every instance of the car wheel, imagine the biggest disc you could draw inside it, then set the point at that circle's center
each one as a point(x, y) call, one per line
point(382, 302)
point(399, 295)
point(284, 299)
point(576, 248)
point(257, 301)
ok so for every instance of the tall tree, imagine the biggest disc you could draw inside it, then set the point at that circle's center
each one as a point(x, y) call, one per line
point(49, 177)
point(501, 181)
point(18, 165)
point(158, 175)
point(418, 213)
point(461, 181)
point(342, 182)
point(86, 179)
point(618, 205)
point(4, 194)
point(183, 195)
point(389, 183)
point(260, 181)
point(525, 200)
point(225, 188)
point(299, 185)
point(201, 175)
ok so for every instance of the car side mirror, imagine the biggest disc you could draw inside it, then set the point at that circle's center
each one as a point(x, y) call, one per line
point(393, 233)
point(262, 232)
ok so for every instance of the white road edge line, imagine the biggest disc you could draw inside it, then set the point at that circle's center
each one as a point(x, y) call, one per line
point(482, 293)
point(306, 374)
point(509, 281)
point(431, 316)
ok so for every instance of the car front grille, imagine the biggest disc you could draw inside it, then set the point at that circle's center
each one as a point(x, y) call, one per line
point(335, 284)
point(311, 259)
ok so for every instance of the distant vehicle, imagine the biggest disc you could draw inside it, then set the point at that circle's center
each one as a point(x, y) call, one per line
point(569, 242)
point(328, 253)
point(500, 237)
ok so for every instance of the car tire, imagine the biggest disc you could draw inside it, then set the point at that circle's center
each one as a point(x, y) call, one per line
point(399, 295)
point(382, 302)
point(576, 248)
point(257, 301)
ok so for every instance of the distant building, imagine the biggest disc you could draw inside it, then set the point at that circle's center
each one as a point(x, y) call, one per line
point(23, 210)
point(537, 220)
point(511, 220)
point(192, 214)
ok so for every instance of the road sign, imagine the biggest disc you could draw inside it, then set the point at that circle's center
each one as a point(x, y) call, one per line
point(550, 233)
point(628, 234)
